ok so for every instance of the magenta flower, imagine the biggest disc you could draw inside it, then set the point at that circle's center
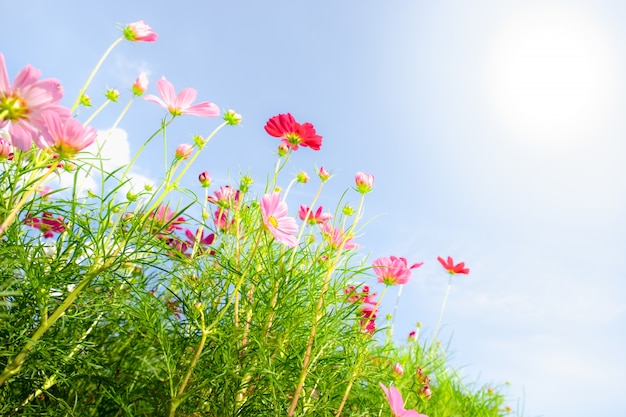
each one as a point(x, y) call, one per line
point(140, 85)
point(23, 104)
point(364, 182)
point(47, 224)
point(336, 237)
point(393, 270)
point(67, 136)
point(275, 219)
point(451, 267)
point(139, 32)
point(369, 313)
point(316, 217)
point(181, 103)
point(397, 403)
point(292, 133)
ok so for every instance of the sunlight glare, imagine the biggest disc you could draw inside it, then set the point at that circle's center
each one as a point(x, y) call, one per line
point(551, 75)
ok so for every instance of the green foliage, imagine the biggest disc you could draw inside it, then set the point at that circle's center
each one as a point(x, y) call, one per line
point(128, 308)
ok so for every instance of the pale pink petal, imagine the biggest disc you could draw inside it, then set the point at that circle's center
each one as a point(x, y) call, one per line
point(185, 98)
point(204, 109)
point(156, 100)
point(166, 91)
point(5, 84)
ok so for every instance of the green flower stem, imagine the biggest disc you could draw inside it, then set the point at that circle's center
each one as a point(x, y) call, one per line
point(318, 314)
point(13, 367)
point(52, 379)
point(291, 260)
point(18, 206)
point(176, 401)
point(350, 383)
point(95, 113)
point(443, 307)
point(195, 156)
point(93, 73)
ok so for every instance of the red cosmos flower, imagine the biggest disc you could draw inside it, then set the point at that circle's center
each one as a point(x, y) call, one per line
point(451, 267)
point(292, 133)
point(47, 224)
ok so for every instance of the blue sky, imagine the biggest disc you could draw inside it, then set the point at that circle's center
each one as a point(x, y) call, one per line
point(493, 130)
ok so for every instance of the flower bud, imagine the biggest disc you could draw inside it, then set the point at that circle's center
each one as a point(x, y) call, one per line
point(347, 210)
point(398, 369)
point(426, 392)
point(205, 179)
point(141, 84)
point(130, 196)
point(323, 174)
point(112, 94)
point(6, 150)
point(231, 117)
point(364, 182)
point(184, 151)
point(85, 100)
point(283, 149)
point(199, 141)
point(302, 177)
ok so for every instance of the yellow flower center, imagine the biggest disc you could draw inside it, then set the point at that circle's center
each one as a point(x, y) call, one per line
point(13, 108)
point(272, 220)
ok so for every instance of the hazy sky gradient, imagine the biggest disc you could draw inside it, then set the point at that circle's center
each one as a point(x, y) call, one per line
point(494, 131)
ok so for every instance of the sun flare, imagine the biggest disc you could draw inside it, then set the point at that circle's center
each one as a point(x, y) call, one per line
point(551, 75)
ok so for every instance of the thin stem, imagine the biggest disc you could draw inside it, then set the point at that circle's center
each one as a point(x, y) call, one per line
point(93, 73)
point(18, 206)
point(176, 400)
point(443, 307)
point(318, 314)
point(13, 367)
point(95, 113)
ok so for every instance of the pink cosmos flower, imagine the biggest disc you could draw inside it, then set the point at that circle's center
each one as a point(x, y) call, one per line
point(67, 136)
point(397, 403)
point(47, 224)
point(163, 221)
point(393, 270)
point(275, 219)
point(140, 85)
point(364, 297)
point(364, 182)
point(221, 219)
point(23, 104)
point(313, 217)
point(451, 267)
point(139, 32)
point(293, 133)
point(181, 103)
point(225, 197)
point(336, 236)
